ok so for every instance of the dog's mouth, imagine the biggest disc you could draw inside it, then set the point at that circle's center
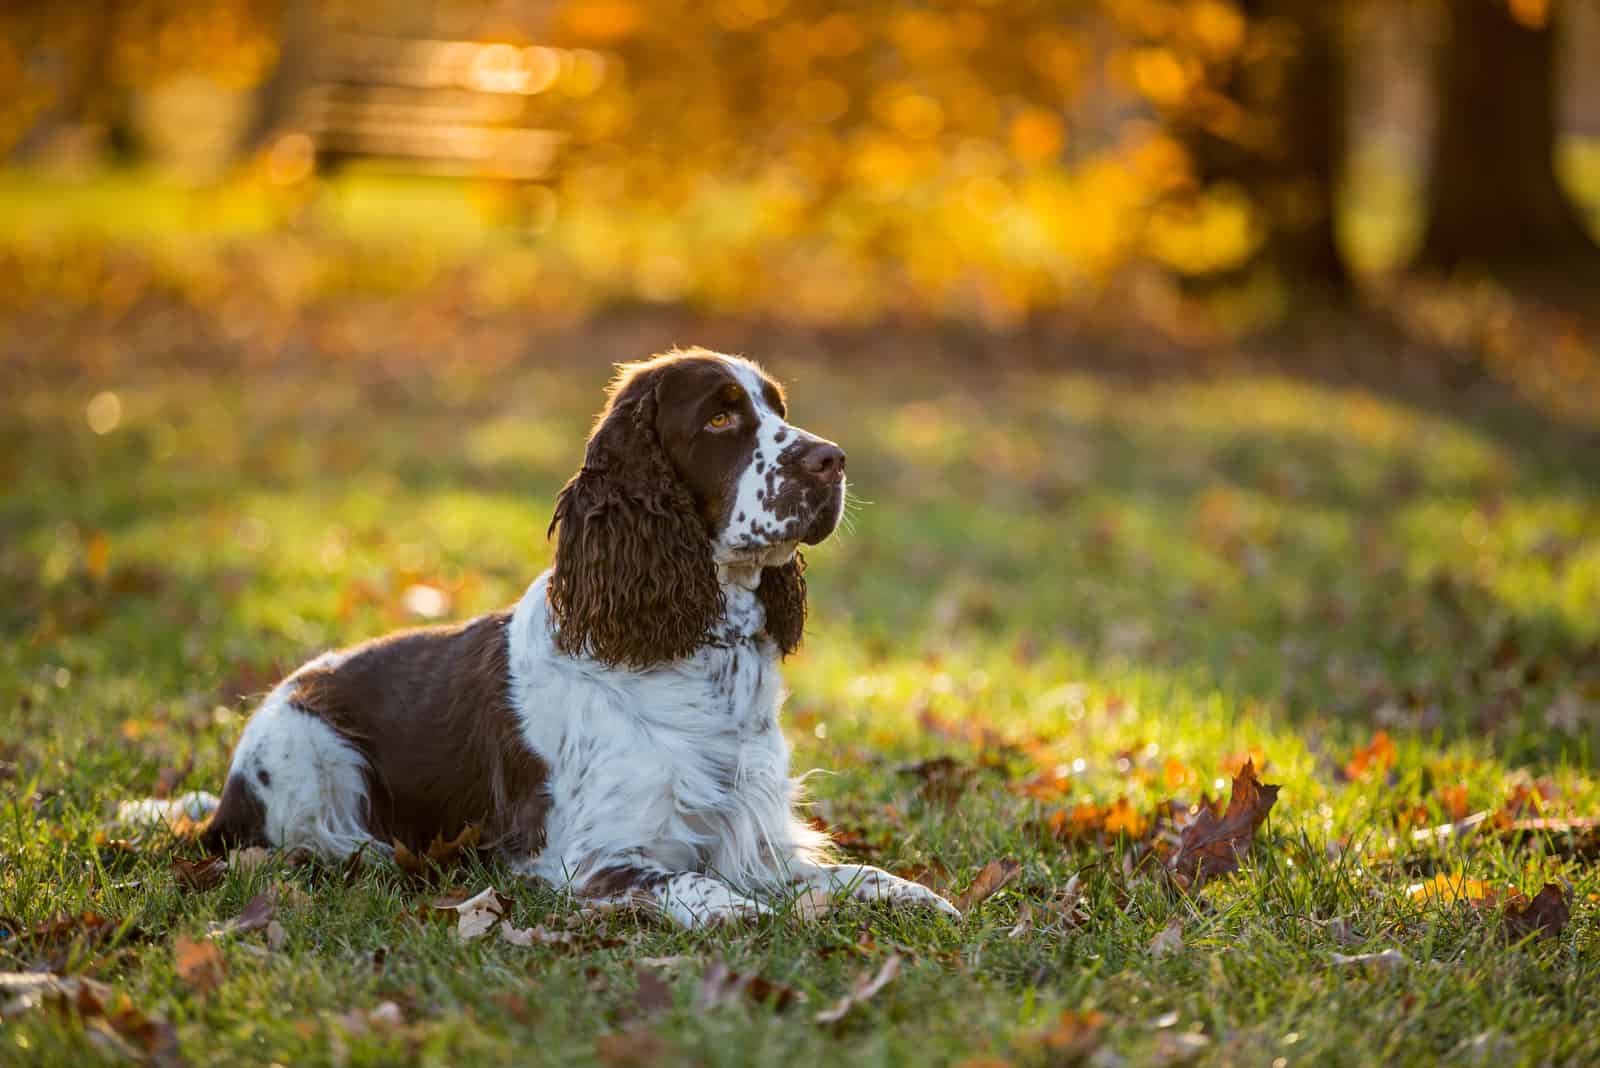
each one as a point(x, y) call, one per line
point(813, 522)
point(825, 517)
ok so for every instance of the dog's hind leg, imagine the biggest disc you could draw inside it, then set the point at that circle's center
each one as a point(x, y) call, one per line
point(293, 781)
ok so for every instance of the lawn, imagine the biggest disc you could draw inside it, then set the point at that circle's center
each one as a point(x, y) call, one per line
point(1095, 584)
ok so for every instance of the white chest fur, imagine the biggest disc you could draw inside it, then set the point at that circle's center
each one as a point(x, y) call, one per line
point(681, 766)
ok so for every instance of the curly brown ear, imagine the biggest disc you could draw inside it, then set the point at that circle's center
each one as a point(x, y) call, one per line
point(783, 595)
point(634, 582)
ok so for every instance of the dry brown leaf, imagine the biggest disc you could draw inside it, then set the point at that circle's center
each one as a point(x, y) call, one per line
point(1547, 914)
point(654, 995)
point(199, 965)
point(110, 1019)
point(864, 989)
point(530, 936)
point(1071, 1038)
point(249, 858)
point(386, 1016)
point(1168, 940)
point(1024, 924)
point(476, 916)
point(68, 936)
point(199, 875)
point(944, 778)
point(1388, 959)
point(721, 986)
point(811, 906)
point(637, 1047)
point(1210, 846)
point(257, 913)
point(994, 876)
point(440, 854)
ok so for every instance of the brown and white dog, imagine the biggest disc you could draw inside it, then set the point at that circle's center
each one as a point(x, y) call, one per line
point(616, 732)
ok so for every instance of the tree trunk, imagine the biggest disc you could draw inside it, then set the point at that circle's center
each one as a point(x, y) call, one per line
point(297, 39)
point(1289, 162)
point(1493, 197)
point(1304, 243)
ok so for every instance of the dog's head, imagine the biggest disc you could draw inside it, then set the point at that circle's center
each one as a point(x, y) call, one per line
point(692, 466)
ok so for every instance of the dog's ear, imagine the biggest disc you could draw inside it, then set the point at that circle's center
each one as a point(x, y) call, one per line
point(634, 582)
point(783, 595)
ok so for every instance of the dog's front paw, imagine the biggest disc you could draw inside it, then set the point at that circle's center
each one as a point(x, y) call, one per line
point(903, 892)
point(875, 884)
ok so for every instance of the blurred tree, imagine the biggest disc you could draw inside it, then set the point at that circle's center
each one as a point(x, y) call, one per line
point(1256, 97)
point(1493, 197)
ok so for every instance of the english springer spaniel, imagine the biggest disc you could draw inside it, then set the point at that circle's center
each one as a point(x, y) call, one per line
point(616, 732)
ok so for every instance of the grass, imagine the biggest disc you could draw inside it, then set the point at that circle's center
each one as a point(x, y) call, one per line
point(1133, 578)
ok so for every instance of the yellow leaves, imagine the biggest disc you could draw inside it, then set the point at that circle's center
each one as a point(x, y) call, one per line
point(601, 20)
point(97, 556)
point(1452, 889)
point(1123, 819)
point(1218, 27)
point(1533, 14)
point(1546, 914)
point(821, 101)
point(1160, 76)
point(1036, 135)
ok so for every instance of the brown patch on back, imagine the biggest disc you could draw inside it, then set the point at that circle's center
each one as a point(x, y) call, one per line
point(430, 711)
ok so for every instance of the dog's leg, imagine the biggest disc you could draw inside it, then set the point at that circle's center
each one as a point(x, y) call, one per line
point(865, 883)
point(690, 898)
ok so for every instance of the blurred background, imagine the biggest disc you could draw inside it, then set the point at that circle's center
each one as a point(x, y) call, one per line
point(1252, 341)
point(1198, 165)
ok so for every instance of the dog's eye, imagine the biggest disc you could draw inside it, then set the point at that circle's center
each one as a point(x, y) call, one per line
point(720, 421)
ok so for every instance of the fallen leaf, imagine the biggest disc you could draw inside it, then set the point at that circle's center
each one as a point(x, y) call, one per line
point(531, 936)
point(199, 965)
point(654, 995)
point(944, 778)
point(994, 876)
point(721, 986)
point(128, 1031)
point(864, 989)
point(637, 1047)
point(477, 915)
point(1454, 889)
point(1378, 754)
point(1387, 959)
point(276, 936)
point(1168, 940)
point(200, 875)
point(1546, 915)
point(387, 1016)
point(811, 906)
point(1180, 1047)
point(257, 914)
point(1024, 924)
point(249, 858)
point(1210, 846)
point(70, 936)
point(1072, 1037)
point(440, 853)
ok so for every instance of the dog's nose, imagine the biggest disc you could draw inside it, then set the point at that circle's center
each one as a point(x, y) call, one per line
point(825, 460)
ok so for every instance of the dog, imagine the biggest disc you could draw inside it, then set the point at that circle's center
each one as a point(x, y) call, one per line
point(616, 732)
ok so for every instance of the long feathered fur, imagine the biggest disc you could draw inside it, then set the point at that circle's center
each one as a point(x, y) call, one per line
point(634, 581)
